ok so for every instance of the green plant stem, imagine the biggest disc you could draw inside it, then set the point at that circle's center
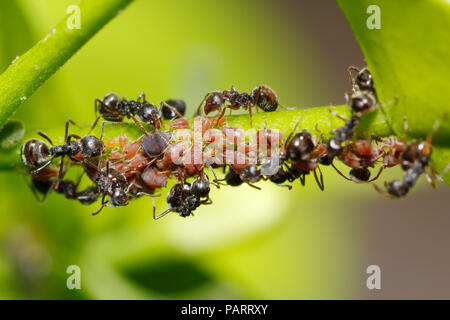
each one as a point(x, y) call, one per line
point(316, 120)
point(29, 71)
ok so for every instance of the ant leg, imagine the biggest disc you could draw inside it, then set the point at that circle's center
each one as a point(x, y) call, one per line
point(141, 193)
point(43, 135)
point(215, 181)
point(250, 115)
point(253, 186)
point(381, 191)
point(60, 173)
point(142, 96)
point(286, 108)
point(350, 75)
point(96, 102)
point(94, 124)
point(103, 205)
point(70, 136)
point(111, 122)
point(36, 171)
point(443, 172)
point(67, 128)
point(319, 183)
point(431, 177)
point(155, 217)
point(378, 175)
point(140, 125)
point(340, 173)
point(163, 103)
point(219, 116)
point(295, 128)
point(435, 127)
point(207, 201)
point(201, 103)
point(335, 114)
point(302, 179)
point(284, 185)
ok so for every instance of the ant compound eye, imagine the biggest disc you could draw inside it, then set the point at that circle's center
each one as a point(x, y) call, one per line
point(178, 104)
point(200, 188)
point(91, 146)
point(34, 153)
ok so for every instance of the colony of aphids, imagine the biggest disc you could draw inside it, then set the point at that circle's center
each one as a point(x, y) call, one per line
point(121, 170)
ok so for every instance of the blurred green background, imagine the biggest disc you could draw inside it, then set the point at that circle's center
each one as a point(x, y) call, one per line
point(250, 244)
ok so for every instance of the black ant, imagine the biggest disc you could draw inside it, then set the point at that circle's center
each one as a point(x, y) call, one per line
point(304, 155)
point(113, 108)
point(111, 183)
point(43, 182)
point(35, 154)
point(360, 155)
point(261, 96)
point(184, 198)
point(361, 100)
point(414, 159)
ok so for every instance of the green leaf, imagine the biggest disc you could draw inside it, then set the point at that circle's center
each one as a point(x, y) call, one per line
point(409, 57)
point(29, 71)
point(11, 135)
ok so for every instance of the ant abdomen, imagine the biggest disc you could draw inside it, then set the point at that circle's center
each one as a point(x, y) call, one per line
point(178, 104)
point(265, 98)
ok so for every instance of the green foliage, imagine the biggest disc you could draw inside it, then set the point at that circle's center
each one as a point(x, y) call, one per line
point(29, 71)
point(11, 135)
point(409, 59)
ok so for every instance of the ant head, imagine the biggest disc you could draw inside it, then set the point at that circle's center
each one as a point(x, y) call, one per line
point(34, 153)
point(362, 174)
point(150, 114)
point(300, 146)
point(112, 101)
point(156, 142)
point(118, 197)
point(265, 98)
point(200, 187)
point(91, 146)
point(177, 104)
point(250, 173)
point(364, 80)
point(214, 101)
point(362, 102)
